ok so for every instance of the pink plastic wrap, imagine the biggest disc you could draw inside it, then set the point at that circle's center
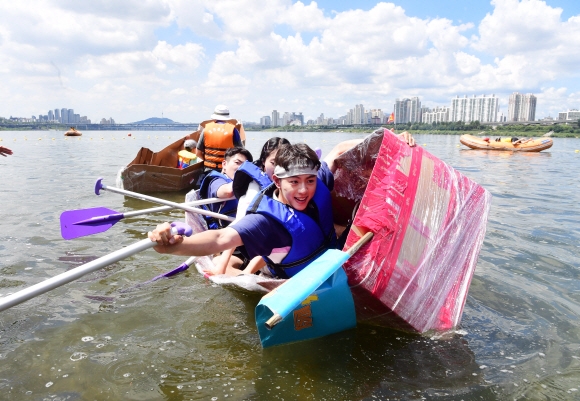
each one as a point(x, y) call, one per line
point(429, 223)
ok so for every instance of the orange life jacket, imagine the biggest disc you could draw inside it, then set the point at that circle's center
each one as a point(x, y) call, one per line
point(217, 138)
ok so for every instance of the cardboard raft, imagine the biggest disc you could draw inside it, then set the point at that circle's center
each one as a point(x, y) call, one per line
point(157, 171)
point(429, 223)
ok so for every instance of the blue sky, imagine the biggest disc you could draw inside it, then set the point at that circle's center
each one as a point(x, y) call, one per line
point(456, 10)
point(135, 59)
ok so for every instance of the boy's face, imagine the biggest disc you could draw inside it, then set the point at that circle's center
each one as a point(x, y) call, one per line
point(231, 165)
point(296, 191)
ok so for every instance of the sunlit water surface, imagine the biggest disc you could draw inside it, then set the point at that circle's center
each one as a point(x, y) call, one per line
point(104, 337)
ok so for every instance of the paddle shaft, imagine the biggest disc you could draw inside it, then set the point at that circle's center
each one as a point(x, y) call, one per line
point(357, 245)
point(73, 274)
point(278, 317)
point(165, 208)
point(175, 205)
point(66, 277)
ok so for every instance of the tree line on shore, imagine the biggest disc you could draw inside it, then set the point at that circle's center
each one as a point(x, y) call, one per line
point(444, 128)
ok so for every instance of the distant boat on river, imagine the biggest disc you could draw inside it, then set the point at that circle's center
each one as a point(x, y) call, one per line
point(528, 145)
point(72, 132)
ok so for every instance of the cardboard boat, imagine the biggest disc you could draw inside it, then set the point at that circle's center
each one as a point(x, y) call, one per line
point(72, 132)
point(158, 172)
point(429, 223)
point(534, 145)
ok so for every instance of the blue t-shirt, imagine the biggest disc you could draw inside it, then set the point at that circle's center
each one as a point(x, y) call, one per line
point(212, 193)
point(261, 234)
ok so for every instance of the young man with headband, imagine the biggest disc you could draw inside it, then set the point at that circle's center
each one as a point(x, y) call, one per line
point(289, 224)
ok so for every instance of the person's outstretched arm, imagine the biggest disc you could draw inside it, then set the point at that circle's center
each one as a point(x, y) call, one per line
point(202, 244)
point(342, 147)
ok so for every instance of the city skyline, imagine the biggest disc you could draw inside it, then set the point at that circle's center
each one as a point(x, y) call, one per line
point(141, 59)
point(483, 108)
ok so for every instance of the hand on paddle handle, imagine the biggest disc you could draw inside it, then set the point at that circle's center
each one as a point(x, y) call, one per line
point(407, 137)
point(169, 234)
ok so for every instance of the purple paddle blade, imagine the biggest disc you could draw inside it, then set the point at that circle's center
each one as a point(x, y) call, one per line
point(178, 269)
point(82, 222)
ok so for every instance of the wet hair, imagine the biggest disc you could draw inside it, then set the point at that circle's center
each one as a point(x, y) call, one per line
point(231, 152)
point(298, 154)
point(270, 146)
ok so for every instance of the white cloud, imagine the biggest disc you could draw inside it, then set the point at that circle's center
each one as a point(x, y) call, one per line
point(251, 54)
point(178, 92)
point(304, 18)
point(519, 26)
point(535, 31)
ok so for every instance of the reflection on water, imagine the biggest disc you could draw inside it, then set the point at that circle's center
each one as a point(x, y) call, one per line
point(109, 336)
point(75, 260)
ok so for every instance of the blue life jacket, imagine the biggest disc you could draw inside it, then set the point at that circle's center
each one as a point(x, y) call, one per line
point(310, 238)
point(247, 173)
point(228, 208)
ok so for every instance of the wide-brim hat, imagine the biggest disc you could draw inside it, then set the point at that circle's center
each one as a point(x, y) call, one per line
point(221, 112)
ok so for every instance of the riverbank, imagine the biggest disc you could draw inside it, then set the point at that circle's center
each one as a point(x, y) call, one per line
point(499, 131)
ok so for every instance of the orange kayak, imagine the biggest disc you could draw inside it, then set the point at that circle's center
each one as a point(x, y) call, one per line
point(533, 145)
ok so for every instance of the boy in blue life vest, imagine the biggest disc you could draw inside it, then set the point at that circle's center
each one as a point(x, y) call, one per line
point(219, 185)
point(289, 224)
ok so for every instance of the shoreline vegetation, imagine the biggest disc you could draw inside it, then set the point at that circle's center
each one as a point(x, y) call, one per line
point(560, 130)
point(454, 128)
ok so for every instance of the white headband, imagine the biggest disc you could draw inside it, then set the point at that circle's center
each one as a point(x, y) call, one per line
point(295, 170)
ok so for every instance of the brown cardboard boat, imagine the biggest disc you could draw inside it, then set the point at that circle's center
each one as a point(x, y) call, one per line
point(158, 172)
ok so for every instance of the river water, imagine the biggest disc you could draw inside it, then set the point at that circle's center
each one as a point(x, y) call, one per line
point(103, 337)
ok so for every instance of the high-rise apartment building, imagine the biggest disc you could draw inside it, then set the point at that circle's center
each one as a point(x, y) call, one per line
point(570, 115)
point(407, 110)
point(438, 114)
point(522, 107)
point(275, 118)
point(57, 115)
point(483, 109)
point(377, 116)
point(265, 121)
point(64, 116)
point(298, 117)
point(359, 115)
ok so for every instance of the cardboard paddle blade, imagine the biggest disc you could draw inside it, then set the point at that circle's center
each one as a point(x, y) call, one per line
point(70, 230)
point(315, 302)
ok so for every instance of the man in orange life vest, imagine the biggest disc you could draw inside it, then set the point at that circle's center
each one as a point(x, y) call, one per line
point(216, 138)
